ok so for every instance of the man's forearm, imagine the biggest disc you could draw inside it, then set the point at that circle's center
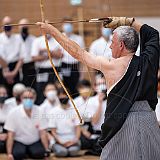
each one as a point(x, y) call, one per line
point(78, 132)
point(18, 66)
point(10, 142)
point(70, 46)
point(44, 139)
point(3, 63)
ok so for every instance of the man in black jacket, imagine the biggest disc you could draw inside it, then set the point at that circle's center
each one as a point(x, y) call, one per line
point(130, 129)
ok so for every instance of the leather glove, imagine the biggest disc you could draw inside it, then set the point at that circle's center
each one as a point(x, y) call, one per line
point(118, 21)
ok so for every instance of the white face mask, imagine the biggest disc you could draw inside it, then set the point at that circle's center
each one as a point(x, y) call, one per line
point(51, 95)
point(101, 88)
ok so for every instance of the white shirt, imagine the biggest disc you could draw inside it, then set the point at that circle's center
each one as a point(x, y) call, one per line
point(26, 46)
point(39, 44)
point(84, 108)
point(10, 47)
point(93, 105)
point(65, 121)
point(158, 110)
point(26, 129)
point(11, 102)
point(67, 58)
point(100, 47)
point(4, 111)
point(46, 109)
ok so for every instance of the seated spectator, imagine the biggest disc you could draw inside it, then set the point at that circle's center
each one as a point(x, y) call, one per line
point(47, 106)
point(24, 134)
point(65, 129)
point(97, 106)
point(18, 89)
point(4, 111)
point(81, 102)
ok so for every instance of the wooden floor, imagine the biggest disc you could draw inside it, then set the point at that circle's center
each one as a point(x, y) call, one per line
point(4, 157)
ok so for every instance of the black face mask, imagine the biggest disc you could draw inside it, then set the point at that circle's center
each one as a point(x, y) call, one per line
point(64, 100)
point(105, 92)
point(7, 28)
point(24, 33)
point(2, 100)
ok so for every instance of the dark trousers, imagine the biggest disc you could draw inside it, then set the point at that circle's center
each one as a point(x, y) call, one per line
point(16, 79)
point(41, 85)
point(2, 147)
point(34, 151)
point(71, 80)
point(29, 75)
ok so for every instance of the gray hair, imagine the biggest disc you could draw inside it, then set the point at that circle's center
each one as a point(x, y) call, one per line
point(129, 36)
point(28, 89)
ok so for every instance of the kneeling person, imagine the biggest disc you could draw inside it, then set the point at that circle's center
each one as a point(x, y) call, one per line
point(23, 126)
point(65, 129)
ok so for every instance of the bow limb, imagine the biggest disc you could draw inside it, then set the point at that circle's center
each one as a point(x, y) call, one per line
point(55, 71)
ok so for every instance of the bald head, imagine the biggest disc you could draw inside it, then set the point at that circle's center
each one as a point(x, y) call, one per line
point(8, 29)
point(23, 29)
point(6, 20)
point(23, 21)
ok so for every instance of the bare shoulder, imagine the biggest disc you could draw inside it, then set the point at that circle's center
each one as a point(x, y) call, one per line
point(115, 65)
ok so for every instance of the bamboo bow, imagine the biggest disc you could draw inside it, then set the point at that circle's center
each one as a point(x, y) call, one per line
point(55, 71)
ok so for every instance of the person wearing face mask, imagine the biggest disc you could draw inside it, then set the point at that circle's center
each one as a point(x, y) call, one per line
point(101, 46)
point(96, 106)
point(47, 106)
point(28, 68)
point(84, 89)
point(44, 69)
point(51, 100)
point(65, 128)
point(81, 102)
point(4, 111)
point(70, 66)
point(25, 136)
point(11, 53)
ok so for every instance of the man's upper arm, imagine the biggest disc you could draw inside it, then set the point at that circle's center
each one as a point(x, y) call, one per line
point(97, 62)
point(10, 124)
point(149, 44)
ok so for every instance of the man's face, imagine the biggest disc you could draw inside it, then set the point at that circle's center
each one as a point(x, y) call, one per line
point(50, 88)
point(84, 91)
point(3, 92)
point(8, 29)
point(28, 95)
point(115, 46)
point(3, 96)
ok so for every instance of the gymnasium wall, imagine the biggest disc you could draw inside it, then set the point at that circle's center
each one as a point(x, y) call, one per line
point(55, 10)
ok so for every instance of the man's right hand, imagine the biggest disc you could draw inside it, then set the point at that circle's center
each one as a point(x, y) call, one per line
point(118, 21)
point(10, 157)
